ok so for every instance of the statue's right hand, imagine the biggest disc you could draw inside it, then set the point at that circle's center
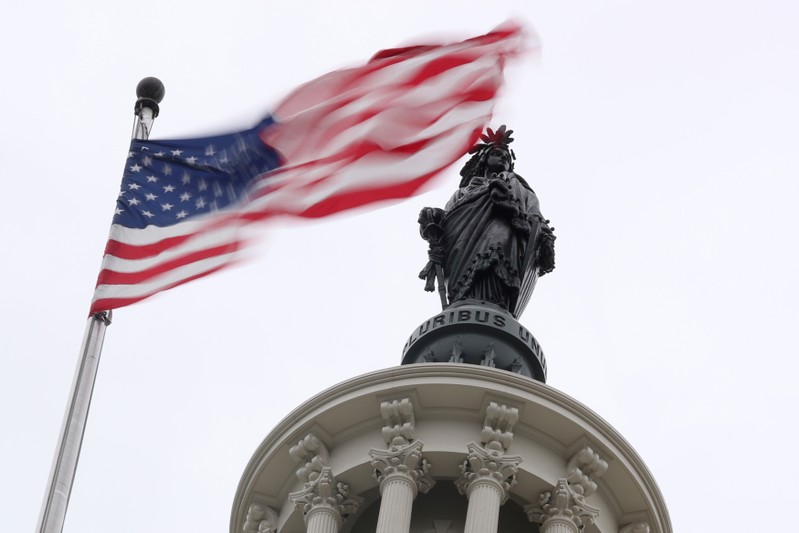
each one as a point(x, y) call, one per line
point(430, 215)
point(430, 222)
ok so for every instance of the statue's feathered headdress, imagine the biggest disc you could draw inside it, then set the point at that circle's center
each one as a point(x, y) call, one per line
point(491, 139)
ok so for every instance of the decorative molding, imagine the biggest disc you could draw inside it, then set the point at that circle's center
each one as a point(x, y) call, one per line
point(582, 470)
point(637, 527)
point(403, 462)
point(480, 385)
point(260, 519)
point(324, 493)
point(498, 424)
point(488, 466)
point(398, 415)
point(562, 504)
point(313, 452)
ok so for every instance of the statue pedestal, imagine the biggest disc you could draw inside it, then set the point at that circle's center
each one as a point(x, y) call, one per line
point(478, 335)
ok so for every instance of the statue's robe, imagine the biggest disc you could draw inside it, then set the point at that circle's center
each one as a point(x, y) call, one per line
point(491, 237)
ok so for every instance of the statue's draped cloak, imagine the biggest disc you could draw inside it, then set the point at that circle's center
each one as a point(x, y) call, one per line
point(491, 243)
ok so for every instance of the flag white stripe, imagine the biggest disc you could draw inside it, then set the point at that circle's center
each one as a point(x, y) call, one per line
point(360, 174)
point(163, 281)
point(458, 122)
point(154, 234)
point(201, 241)
point(339, 135)
point(426, 102)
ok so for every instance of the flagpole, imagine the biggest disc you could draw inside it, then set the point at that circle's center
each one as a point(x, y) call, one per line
point(150, 91)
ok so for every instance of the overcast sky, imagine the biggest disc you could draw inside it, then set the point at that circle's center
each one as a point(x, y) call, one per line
point(660, 137)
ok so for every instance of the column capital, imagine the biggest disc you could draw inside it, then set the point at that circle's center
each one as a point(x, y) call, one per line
point(405, 463)
point(562, 505)
point(324, 494)
point(490, 467)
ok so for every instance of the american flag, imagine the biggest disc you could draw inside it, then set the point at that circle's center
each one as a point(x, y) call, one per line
point(346, 139)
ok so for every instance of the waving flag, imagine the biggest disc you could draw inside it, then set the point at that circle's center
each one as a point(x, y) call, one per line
point(349, 138)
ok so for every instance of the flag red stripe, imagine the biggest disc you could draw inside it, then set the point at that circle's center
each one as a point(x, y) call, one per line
point(111, 277)
point(349, 138)
point(115, 303)
point(127, 251)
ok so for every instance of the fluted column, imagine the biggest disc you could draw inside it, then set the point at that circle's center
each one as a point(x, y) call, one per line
point(487, 477)
point(396, 505)
point(488, 473)
point(400, 470)
point(402, 473)
point(322, 519)
point(324, 502)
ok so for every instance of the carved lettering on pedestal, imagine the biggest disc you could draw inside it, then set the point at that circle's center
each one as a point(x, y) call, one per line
point(467, 316)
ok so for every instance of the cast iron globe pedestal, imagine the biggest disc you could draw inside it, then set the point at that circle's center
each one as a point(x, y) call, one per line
point(479, 334)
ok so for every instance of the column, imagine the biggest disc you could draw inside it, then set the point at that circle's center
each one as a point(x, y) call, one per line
point(487, 478)
point(400, 470)
point(488, 473)
point(324, 501)
point(402, 473)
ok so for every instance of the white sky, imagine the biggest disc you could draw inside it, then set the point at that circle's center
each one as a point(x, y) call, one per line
point(660, 137)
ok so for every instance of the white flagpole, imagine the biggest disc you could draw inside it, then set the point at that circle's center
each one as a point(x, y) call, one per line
point(150, 92)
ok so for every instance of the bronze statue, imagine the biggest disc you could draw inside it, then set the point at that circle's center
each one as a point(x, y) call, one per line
point(490, 243)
